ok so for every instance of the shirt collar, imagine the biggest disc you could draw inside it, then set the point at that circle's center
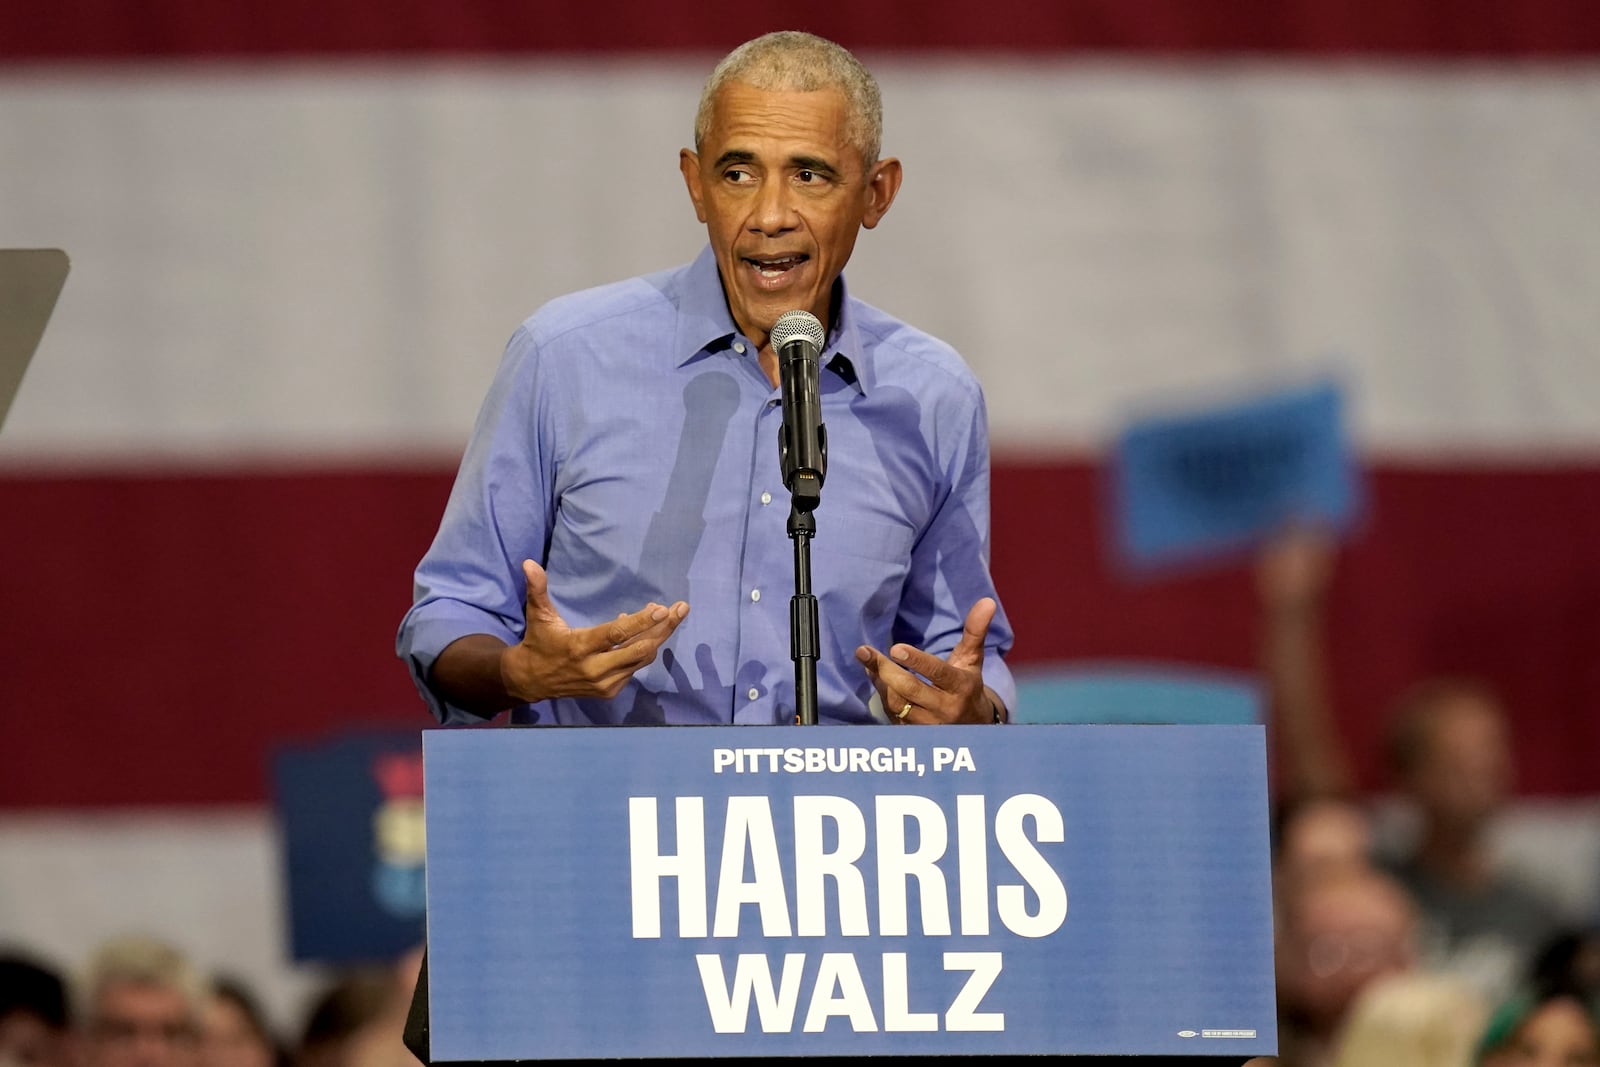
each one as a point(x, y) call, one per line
point(706, 324)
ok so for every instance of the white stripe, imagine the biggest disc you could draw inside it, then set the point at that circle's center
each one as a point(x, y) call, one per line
point(327, 260)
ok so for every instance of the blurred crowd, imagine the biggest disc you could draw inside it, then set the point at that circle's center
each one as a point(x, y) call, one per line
point(1420, 950)
point(140, 1002)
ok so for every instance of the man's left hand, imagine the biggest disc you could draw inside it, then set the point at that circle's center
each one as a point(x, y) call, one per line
point(918, 687)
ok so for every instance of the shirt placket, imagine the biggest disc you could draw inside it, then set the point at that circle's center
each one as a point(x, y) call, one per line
point(759, 688)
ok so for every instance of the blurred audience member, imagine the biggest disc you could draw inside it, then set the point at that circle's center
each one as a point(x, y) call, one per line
point(33, 1013)
point(1451, 756)
point(236, 1032)
point(1335, 936)
point(1413, 1019)
point(1542, 1028)
point(381, 1043)
point(142, 1006)
point(1293, 572)
point(1318, 837)
point(1569, 960)
point(339, 1015)
point(1450, 751)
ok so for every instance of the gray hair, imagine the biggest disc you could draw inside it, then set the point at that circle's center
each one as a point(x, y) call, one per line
point(794, 61)
point(145, 961)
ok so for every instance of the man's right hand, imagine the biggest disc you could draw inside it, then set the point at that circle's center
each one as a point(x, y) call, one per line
point(555, 660)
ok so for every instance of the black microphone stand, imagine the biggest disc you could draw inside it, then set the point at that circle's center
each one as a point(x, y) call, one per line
point(796, 340)
point(803, 639)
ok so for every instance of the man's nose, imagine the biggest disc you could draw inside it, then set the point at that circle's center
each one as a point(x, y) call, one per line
point(773, 212)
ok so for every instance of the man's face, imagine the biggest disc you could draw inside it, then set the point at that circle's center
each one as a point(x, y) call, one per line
point(1326, 836)
point(1338, 935)
point(1464, 774)
point(140, 1025)
point(783, 195)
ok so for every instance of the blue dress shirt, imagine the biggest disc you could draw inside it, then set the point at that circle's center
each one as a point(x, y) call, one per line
point(629, 443)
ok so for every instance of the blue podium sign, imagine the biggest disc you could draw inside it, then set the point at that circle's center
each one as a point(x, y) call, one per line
point(676, 892)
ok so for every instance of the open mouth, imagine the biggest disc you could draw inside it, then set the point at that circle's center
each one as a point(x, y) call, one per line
point(773, 268)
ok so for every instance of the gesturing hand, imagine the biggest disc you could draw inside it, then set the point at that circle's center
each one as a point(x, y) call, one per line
point(555, 660)
point(917, 687)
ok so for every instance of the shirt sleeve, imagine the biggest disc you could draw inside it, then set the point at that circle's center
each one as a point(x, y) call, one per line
point(950, 560)
point(499, 514)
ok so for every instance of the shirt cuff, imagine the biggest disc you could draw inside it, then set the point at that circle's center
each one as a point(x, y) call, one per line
point(428, 631)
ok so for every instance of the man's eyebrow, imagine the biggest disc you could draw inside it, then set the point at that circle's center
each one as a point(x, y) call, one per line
point(812, 163)
point(821, 166)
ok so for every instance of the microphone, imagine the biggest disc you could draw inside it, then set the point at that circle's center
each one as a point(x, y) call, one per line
point(797, 338)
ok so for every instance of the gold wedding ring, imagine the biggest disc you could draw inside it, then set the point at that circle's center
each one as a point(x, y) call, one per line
point(903, 712)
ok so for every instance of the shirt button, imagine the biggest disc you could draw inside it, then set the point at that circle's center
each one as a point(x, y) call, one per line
point(753, 693)
point(738, 346)
point(766, 498)
point(755, 594)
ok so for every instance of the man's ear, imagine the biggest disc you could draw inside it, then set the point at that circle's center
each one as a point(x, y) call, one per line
point(689, 165)
point(883, 184)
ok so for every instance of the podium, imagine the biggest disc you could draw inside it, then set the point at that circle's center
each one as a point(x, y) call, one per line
point(830, 893)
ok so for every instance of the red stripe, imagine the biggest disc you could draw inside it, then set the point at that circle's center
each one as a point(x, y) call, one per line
point(163, 633)
point(113, 29)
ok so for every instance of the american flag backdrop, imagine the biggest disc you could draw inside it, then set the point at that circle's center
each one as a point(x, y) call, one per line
point(302, 232)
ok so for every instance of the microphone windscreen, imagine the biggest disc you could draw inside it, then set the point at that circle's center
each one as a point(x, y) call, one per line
point(793, 325)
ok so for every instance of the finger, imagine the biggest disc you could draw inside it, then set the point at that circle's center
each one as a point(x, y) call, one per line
point(968, 653)
point(904, 697)
point(880, 669)
point(618, 664)
point(940, 674)
point(868, 657)
point(664, 621)
point(538, 605)
point(871, 659)
point(899, 686)
point(619, 631)
point(898, 680)
point(921, 704)
point(653, 622)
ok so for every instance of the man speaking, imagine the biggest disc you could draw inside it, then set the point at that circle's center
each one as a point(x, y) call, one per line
point(625, 465)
